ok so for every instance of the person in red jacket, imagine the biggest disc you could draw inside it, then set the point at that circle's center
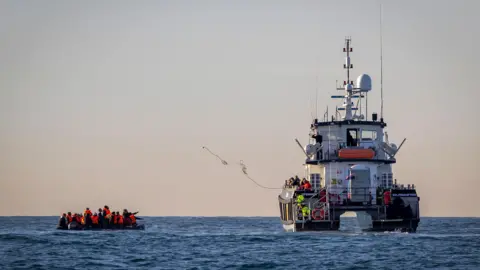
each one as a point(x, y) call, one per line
point(307, 185)
point(387, 197)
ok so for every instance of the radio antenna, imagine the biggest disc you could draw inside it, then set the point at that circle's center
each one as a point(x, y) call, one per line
point(381, 63)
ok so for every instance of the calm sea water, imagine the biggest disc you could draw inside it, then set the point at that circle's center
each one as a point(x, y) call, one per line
point(236, 243)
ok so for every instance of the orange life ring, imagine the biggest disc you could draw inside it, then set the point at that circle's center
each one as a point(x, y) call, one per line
point(322, 214)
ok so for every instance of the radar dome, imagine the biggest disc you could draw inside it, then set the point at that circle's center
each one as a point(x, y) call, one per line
point(364, 82)
point(393, 146)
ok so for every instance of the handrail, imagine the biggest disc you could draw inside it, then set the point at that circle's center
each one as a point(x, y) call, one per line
point(355, 196)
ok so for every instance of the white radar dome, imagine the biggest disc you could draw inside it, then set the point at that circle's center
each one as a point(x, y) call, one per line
point(364, 82)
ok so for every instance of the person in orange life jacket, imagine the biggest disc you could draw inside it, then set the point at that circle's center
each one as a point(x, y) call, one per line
point(119, 220)
point(114, 218)
point(130, 216)
point(77, 218)
point(83, 220)
point(63, 222)
point(95, 221)
point(69, 217)
point(87, 212)
point(106, 210)
point(133, 219)
point(106, 216)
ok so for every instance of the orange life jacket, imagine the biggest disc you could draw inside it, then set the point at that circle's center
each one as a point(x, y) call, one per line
point(78, 219)
point(120, 219)
point(133, 219)
point(307, 185)
point(106, 211)
point(69, 218)
point(114, 217)
point(88, 212)
point(94, 219)
point(83, 220)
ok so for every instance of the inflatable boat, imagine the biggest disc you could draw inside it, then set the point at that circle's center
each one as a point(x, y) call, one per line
point(78, 227)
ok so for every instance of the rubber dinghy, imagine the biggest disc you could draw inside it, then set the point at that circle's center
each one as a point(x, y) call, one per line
point(74, 226)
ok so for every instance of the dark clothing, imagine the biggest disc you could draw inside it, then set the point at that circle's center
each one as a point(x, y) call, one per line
point(100, 220)
point(62, 223)
point(88, 221)
point(296, 181)
point(318, 138)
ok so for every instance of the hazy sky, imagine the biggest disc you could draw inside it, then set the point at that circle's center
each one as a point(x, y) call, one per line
point(110, 102)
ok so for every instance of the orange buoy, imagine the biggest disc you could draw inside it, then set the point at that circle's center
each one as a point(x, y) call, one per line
point(356, 153)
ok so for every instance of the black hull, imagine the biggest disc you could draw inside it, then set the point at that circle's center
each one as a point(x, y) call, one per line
point(135, 228)
point(401, 215)
point(377, 226)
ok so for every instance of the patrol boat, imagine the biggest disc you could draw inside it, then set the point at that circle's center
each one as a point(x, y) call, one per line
point(349, 165)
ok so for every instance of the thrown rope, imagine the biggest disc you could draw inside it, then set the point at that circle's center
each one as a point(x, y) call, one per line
point(244, 169)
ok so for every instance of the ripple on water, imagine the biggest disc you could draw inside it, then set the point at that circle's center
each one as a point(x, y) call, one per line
point(236, 243)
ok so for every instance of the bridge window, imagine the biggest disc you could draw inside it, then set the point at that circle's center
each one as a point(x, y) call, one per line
point(315, 181)
point(369, 135)
point(352, 137)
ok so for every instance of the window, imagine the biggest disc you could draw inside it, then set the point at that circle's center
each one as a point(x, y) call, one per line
point(315, 181)
point(369, 135)
point(352, 137)
point(387, 180)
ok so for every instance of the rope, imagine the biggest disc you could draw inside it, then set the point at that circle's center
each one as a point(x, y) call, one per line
point(222, 160)
point(242, 165)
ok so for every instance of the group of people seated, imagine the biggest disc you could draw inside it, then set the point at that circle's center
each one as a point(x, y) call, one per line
point(295, 182)
point(104, 219)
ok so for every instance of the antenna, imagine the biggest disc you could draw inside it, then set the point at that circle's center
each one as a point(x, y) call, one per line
point(316, 98)
point(381, 62)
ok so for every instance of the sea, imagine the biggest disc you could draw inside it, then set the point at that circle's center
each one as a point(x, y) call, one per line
point(237, 243)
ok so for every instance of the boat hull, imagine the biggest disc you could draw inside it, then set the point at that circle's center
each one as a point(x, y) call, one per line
point(402, 225)
point(138, 227)
point(402, 215)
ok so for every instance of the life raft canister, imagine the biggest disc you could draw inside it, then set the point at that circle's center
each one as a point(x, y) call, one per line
point(321, 213)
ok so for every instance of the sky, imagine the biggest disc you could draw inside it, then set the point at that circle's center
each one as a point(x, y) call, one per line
point(111, 102)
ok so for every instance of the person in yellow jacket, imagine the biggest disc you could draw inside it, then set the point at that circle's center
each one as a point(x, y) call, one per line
point(300, 199)
point(305, 211)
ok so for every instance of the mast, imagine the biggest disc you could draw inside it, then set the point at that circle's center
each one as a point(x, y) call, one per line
point(348, 85)
point(381, 64)
point(362, 87)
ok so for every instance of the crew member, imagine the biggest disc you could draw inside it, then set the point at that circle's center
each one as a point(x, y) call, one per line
point(305, 211)
point(306, 185)
point(387, 197)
